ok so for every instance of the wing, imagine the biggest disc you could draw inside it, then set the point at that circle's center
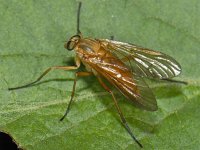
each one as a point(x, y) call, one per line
point(142, 61)
point(131, 86)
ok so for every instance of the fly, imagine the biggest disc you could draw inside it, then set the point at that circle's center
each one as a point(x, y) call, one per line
point(122, 64)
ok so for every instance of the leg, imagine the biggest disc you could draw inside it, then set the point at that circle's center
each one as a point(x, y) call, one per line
point(78, 74)
point(120, 112)
point(175, 81)
point(77, 61)
point(43, 74)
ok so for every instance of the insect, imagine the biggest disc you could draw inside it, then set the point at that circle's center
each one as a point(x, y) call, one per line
point(124, 65)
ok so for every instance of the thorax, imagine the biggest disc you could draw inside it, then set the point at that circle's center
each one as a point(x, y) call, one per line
point(93, 54)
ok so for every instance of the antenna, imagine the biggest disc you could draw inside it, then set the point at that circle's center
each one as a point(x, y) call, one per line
point(78, 18)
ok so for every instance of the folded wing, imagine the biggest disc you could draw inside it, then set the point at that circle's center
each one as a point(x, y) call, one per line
point(142, 61)
point(131, 86)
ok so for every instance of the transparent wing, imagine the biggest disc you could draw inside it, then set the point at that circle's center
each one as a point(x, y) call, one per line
point(142, 61)
point(133, 87)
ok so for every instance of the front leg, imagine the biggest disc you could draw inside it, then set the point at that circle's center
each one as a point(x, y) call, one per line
point(77, 61)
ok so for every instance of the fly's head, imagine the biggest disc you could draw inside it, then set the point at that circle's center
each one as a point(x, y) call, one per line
point(72, 43)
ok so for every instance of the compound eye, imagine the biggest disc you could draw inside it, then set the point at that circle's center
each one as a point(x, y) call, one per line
point(70, 45)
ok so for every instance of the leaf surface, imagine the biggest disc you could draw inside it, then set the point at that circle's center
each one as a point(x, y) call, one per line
point(32, 34)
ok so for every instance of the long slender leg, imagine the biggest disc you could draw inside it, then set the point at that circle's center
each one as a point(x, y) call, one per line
point(78, 74)
point(120, 112)
point(175, 81)
point(77, 61)
point(43, 74)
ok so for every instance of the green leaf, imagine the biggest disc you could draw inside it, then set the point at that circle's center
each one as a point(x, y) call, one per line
point(32, 34)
